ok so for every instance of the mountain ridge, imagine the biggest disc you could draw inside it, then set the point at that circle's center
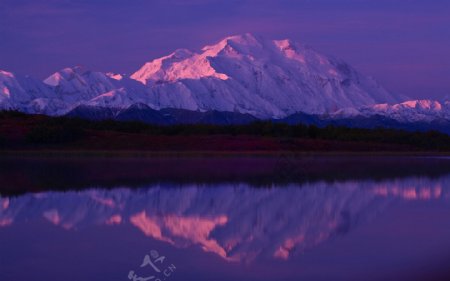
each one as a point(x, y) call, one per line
point(243, 73)
point(239, 75)
point(353, 119)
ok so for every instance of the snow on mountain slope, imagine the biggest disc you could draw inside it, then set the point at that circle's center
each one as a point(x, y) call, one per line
point(25, 93)
point(265, 78)
point(63, 91)
point(117, 98)
point(245, 74)
point(75, 84)
point(406, 112)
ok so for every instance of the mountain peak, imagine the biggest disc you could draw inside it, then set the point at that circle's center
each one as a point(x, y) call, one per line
point(64, 74)
point(156, 67)
point(242, 73)
point(115, 76)
point(237, 44)
point(247, 39)
point(421, 104)
point(243, 39)
point(77, 83)
point(68, 71)
point(266, 78)
point(286, 44)
point(6, 73)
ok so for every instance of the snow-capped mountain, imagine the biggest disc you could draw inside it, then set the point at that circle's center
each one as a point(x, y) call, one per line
point(75, 85)
point(406, 112)
point(415, 115)
point(265, 78)
point(25, 93)
point(235, 80)
point(245, 74)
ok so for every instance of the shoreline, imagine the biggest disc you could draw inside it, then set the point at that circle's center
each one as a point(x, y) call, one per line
point(33, 171)
point(218, 154)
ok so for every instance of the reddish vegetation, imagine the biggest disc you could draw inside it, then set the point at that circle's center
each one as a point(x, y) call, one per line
point(124, 141)
point(14, 130)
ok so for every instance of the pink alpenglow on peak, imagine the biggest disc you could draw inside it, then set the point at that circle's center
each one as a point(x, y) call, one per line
point(242, 73)
point(265, 78)
point(408, 111)
point(182, 64)
point(115, 76)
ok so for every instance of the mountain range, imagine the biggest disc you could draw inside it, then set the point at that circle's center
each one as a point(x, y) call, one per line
point(240, 79)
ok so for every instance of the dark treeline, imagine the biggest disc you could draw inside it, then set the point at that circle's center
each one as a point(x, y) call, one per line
point(62, 129)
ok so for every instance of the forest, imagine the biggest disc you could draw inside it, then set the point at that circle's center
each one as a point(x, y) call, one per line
point(23, 131)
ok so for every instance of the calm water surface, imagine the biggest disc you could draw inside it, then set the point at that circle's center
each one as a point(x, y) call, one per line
point(225, 219)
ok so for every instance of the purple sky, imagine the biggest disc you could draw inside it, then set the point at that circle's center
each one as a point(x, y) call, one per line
point(404, 44)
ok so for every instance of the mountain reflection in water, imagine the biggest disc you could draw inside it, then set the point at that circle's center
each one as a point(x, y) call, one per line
point(234, 221)
point(222, 219)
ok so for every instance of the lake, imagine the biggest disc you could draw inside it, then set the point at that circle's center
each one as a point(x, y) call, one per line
point(225, 218)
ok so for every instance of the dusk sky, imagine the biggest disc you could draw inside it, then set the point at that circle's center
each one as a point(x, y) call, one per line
point(404, 44)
